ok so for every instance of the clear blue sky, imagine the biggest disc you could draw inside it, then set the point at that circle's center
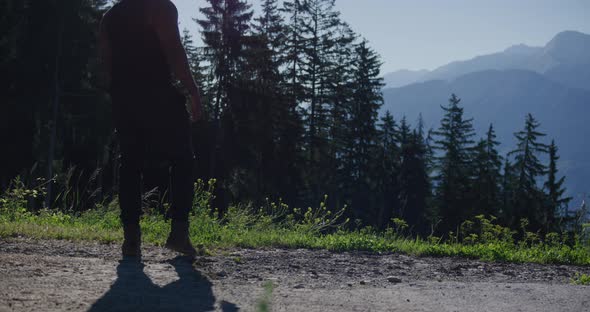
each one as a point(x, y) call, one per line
point(424, 34)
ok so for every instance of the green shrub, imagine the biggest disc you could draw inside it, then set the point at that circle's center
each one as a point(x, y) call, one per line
point(275, 224)
point(581, 279)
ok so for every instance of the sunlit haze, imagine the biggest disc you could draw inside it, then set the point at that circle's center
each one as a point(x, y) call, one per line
point(424, 34)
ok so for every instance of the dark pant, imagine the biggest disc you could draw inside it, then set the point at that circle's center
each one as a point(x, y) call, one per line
point(167, 140)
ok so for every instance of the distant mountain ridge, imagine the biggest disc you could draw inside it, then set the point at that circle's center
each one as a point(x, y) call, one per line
point(568, 49)
point(551, 82)
point(403, 77)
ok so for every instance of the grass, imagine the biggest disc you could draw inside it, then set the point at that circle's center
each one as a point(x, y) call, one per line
point(581, 279)
point(264, 302)
point(278, 226)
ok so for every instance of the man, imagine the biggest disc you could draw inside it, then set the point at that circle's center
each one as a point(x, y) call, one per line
point(140, 47)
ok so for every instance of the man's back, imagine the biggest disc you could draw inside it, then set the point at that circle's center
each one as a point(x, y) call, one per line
point(141, 85)
point(138, 60)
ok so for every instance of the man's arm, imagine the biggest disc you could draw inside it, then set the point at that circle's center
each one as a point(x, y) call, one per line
point(105, 53)
point(165, 22)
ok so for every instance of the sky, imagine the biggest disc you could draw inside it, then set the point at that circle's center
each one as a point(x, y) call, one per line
point(425, 34)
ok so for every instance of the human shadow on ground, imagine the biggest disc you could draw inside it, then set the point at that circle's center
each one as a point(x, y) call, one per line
point(134, 290)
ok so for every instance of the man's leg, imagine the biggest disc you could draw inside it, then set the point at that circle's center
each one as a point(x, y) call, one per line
point(181, 194)
point(181, 188)
point(130, 193)
point(181, 156)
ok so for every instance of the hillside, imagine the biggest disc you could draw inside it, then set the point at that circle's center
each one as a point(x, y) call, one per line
point(404, 77)
point(504, 98)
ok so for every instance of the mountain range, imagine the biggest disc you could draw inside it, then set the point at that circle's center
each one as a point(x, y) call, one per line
point(567, 52)
point(550, 82)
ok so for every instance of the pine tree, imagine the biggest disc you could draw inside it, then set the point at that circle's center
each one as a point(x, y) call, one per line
point(487, 176)
point(316, 46)
point(363, 110)
point(293, 50)
point(318, 25)
point(361, 131)
point(556, 201)
point(388, 166)
point(17, 128)
point(268, 125)
point(508, 185)
point(413, 181)
point(195, 59)
point(431, 215)
point(47, 69)
point(529, 197)
point(270, 33)
point(339, 96)
point(453, 167)
point(225, 27)
point(389, 137)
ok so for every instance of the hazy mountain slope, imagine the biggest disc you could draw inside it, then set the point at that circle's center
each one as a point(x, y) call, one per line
point(403, 77)
point(573, 75)
point(504, 98)
point(567, 47)
point(515, 57)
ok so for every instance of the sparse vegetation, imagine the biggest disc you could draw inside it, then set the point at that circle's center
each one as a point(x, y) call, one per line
point(265, 301)
point(278, 225)
point(581, 279)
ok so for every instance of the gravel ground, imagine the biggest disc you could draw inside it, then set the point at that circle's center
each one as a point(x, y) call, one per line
point(51, 275)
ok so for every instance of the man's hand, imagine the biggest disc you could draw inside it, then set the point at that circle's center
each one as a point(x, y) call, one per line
point(196, 109)
point(165, 22)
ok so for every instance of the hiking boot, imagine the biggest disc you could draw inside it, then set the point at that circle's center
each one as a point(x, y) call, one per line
point(132, 243)
point(178, 240)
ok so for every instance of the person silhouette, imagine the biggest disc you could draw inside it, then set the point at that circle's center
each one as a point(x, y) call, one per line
point(141, 50)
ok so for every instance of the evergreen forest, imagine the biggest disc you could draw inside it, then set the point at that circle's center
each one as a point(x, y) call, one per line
point(292, 98)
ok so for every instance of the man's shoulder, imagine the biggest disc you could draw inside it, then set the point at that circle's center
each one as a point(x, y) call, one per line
point(105, 18)
point(163, 5)
point(163, 10)
point(108, 15)
point(154, 6)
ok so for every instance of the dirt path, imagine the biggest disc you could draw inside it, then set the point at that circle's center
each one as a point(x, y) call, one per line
point(66, 276)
